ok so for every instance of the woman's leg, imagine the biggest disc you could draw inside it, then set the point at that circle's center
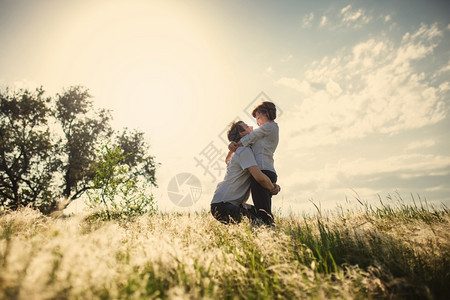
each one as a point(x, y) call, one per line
point(262, 199)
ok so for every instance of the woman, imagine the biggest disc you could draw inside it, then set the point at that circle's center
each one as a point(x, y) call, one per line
point(263, 142)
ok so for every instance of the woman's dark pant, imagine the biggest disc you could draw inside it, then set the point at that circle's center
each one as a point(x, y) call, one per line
point(229, 213)
point(262, 199)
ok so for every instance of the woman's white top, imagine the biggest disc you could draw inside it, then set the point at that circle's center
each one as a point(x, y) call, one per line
point(264, 142)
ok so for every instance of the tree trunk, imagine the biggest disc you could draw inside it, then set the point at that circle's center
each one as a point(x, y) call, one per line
point(68, 184)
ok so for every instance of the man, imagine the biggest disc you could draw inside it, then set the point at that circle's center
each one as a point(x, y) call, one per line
point(228, 203)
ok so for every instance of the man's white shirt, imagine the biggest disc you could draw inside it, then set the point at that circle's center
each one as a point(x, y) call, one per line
point(235, 187)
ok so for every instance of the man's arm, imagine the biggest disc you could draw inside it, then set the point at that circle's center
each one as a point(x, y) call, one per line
point(263, 180)
point(229, 155)
point(233, 146)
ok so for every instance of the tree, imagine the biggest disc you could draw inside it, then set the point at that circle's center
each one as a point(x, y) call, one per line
point(32, 160)
point(136, 157)
point(26, 151)
point(82, 127)
point(116, 191)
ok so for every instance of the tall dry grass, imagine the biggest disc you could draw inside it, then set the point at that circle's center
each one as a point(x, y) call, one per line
point(399, 252)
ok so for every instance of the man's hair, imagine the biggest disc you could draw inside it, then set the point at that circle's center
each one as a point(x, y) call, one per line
point(233, 132)
point(267, 108)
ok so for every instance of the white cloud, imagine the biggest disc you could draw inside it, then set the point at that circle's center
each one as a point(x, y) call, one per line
point(307, 19)
point(323, 21)
point(387, 18)
point(411, 165)
point(354, 17)
point(366, 176)
point(435, 188)
point(445, 68)
point(286, 59)
point(444, 87)
point(347, 17)
point(346, 9)
point(300, 86)
point(404, 166)
point(372, 89)
point(424, 32)
point(421, 144)
point(333, 88)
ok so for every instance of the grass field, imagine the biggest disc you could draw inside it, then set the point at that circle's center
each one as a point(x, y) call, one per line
point(392, 252)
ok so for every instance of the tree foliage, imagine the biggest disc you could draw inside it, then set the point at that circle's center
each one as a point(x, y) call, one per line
point(26, 150)
point(117, 192)
point(137, 158)
point(39, 162)
point(81, 129)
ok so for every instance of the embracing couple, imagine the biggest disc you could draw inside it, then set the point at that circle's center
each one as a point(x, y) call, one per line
point(250, 168)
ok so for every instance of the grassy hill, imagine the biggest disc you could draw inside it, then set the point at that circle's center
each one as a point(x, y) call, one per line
point(400, 252)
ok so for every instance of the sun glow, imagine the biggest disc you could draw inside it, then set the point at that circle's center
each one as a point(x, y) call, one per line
point(151, 60)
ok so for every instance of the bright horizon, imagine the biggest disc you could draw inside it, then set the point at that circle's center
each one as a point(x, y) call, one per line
point(362, 87)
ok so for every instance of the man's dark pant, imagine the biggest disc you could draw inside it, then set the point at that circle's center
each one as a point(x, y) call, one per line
point(229, 213)
point(262, 199)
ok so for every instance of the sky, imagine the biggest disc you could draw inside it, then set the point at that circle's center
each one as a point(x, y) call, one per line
point(362, 88)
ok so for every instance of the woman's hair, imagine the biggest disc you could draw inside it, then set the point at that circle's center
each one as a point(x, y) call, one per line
point(233, 132)
point(267, 108)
